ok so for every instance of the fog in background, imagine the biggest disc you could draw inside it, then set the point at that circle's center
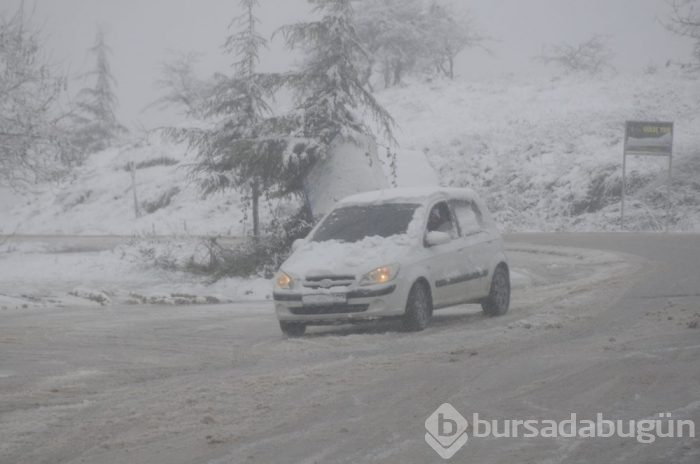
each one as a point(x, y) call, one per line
point(142, 33)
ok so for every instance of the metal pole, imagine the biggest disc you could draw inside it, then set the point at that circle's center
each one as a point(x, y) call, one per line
point(622, 207)
point(668, 192)
point(133, 188)
point(624, 168)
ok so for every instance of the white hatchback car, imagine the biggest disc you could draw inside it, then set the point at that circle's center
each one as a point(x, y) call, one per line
point(394, 253)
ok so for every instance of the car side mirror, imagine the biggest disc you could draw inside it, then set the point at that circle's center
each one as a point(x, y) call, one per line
point(435, 238)
point(297, 243)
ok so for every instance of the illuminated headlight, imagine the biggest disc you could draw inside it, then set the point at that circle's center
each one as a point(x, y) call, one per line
point(380, 275)
point(283, 281)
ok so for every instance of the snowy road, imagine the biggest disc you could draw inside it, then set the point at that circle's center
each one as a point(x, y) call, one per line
point(591, 332)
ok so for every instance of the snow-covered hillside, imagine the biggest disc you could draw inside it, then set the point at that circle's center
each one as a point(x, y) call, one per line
point(98, 199)
point(545, 154)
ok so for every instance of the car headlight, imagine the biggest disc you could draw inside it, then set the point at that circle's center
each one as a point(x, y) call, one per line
point(284, 281)
point(380, 275)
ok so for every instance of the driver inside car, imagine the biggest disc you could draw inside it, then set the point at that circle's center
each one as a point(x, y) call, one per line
point(440, 221)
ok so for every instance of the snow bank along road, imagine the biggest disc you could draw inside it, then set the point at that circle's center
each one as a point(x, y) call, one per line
point(613, 332)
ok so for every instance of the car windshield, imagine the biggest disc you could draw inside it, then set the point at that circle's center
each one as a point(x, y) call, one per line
point(354, 223)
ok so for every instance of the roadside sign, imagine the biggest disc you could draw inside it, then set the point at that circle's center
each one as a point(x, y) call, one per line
point(647, 138)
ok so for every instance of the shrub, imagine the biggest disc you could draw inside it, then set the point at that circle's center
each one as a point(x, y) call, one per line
point(149, 163)
point(592, 56)
point(207, 256)
point(161, 202)
point(255, 256)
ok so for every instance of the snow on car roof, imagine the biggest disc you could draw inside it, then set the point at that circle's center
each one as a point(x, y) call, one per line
point(420, 194)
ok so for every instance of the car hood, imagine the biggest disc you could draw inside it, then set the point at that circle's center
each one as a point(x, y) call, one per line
point(342, 258)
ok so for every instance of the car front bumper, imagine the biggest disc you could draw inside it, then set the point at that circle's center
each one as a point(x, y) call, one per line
point(359, 303)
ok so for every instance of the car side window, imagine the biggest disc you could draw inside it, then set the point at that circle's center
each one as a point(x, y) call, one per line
point(468, 217)
point(440, 220)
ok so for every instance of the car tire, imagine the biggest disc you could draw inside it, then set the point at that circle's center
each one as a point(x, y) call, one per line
point(419, 308)
point(498, 301)
point(292, 329)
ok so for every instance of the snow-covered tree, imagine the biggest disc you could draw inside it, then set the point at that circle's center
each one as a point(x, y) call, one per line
point(182, 88)
point(242, 148)
point(685, 21)
point(394, 33)
point(447, 34)
point(33, 144)
point(333, 97)
point(405, 36)
point(592, 56)
point(96, 124)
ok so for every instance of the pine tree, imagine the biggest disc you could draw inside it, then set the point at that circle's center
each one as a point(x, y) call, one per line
point(241, 151)
point(331, 89)
point(97, 125)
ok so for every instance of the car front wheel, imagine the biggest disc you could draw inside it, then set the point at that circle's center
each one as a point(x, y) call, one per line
point(292, 329)
point(419, 308)
point(498, 301)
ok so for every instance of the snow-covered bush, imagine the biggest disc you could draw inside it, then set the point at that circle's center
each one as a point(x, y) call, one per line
point(149, 163)
point(592, 56)
point(218, 257)
point(162, 201)
point(260, 256)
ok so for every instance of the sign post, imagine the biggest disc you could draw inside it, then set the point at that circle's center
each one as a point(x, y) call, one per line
point(643, 138)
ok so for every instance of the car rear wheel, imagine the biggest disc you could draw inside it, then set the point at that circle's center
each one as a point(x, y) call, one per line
point(419, 308)
point(498, 301)
point(292, 329)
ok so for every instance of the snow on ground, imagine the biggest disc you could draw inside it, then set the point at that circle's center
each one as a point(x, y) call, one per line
point(46, 274)
point(237, 391)
point(99, 200)
point(545, 153)
point(414, 170)
point(38, 274)
point(353, 168)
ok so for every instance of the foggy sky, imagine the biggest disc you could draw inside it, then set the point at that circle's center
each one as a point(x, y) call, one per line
point(141, 32)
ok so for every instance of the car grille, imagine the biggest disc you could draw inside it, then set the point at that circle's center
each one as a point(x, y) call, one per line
point(328, 281)
point(332, 309)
